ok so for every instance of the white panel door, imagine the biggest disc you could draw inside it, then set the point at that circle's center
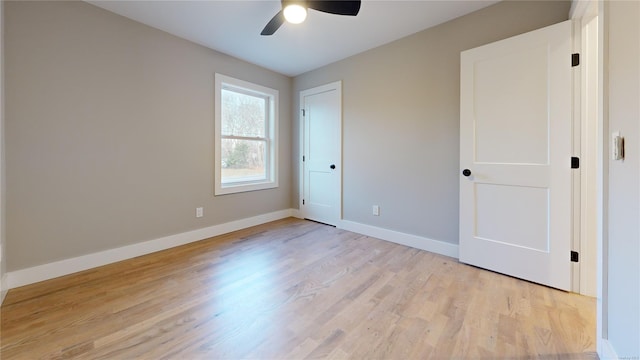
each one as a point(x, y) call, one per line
point(322, 123)
point(516, 143)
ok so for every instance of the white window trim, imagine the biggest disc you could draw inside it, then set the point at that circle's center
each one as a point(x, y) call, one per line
point(272, 133)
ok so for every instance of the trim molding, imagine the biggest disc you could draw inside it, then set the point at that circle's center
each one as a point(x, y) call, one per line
point(68, 266)
point(578, 9)
point(418, 242)
point(296, 213)
point(3, 287)
point(14, 279)
point(607, 351)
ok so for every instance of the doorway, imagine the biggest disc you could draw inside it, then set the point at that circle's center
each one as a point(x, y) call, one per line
point(321, 148)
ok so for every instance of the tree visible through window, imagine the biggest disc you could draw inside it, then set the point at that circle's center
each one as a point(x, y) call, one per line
point(244, 120)
point(245, 129)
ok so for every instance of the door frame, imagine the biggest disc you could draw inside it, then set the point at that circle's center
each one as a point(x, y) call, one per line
point(3, 250)
point(588, 144)
point(334, 86)
point(587, 14)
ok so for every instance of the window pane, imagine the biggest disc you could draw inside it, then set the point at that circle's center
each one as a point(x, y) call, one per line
point(246, 143)
point(242, 114)
point(243, 160)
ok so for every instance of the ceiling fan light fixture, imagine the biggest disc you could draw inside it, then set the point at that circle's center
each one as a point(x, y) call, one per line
point(295, 13)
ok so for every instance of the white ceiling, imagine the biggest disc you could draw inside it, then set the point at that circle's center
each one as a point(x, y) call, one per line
point(233, 27)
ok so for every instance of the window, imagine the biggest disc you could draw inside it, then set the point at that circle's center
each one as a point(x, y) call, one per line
point(245, 136)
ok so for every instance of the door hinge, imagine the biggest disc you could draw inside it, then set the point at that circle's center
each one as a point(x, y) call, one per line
point(575, 257)
point(575, 60)
point(575, 162)
point(302, 158)
point(304, 113)
point(302, 201)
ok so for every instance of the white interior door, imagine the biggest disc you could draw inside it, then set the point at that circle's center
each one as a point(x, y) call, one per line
point(322, 165)
point(516, 143)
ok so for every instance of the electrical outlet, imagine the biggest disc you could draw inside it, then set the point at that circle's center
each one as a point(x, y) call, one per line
point(376, 210)
point(199, 212)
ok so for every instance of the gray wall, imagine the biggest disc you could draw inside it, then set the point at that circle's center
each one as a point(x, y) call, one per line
point(401, 118)
point(109, 133)
point(623, 278)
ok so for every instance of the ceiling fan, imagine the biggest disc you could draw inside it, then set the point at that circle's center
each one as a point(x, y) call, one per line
point(295, 11)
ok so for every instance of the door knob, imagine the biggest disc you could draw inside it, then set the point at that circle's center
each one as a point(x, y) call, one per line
point(466, 172)
point(332, 166)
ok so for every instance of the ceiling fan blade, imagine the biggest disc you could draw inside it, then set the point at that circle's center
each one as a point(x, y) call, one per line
point(337, 7)
point(274, 24)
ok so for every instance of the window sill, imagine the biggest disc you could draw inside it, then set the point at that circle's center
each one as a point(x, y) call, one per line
point(239, 188)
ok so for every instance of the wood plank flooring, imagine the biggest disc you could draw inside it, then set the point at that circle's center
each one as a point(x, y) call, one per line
point(294, 289)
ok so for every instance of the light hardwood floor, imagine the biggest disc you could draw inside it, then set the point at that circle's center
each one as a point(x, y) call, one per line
point(294, 289)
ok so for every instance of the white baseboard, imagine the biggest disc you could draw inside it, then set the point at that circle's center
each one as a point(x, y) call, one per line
point(419, 242)
point(606, 351)
point(52, 270)
point(3, 287)
point(296, 213)
point(68, 266)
